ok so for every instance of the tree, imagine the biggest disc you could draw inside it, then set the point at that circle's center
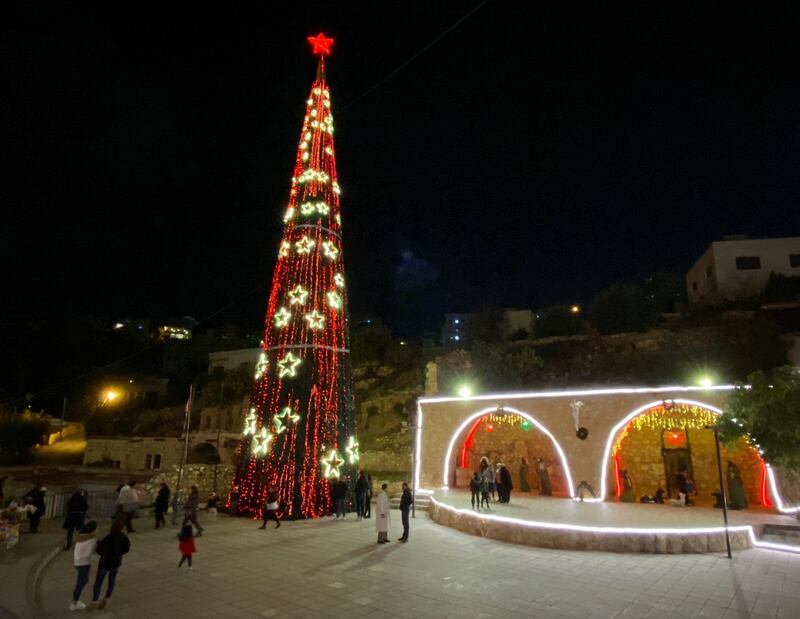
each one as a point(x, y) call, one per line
point(498, 366)
point(557, 320)
point(621, 308)
point(767, 411)
point(300, 429)
point(370, 343)
point(665, 290)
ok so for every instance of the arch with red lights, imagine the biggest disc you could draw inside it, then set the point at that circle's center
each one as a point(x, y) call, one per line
point(473, 422)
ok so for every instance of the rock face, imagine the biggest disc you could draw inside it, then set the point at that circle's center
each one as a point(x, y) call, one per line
point(584, 539)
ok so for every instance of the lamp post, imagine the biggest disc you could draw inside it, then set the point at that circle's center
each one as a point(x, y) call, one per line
point(722, 496)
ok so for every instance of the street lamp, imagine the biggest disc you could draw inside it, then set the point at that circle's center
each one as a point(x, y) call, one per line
point(575, 309)
point(722, 496)
point(464, 391)
point(108, 396)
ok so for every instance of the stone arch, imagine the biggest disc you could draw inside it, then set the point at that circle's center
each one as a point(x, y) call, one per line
point(620, 427)
point(507, 409)
point(203, 453)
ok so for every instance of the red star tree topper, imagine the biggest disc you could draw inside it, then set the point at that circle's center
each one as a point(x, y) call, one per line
point(301, 409)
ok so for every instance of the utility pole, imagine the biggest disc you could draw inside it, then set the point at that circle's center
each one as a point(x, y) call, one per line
point(722, 496)
point(186, 423)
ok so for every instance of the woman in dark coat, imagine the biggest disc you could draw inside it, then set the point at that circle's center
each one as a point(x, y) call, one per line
point(77, 506)
point(162, 504)
point(110, 548)
point(505, 484)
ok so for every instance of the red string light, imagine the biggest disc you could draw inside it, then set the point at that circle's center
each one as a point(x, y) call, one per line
point(312, 327)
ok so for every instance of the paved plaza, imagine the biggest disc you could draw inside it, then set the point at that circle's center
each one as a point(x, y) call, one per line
point(329, 568)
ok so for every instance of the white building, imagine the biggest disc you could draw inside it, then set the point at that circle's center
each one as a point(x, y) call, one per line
point(740, 267)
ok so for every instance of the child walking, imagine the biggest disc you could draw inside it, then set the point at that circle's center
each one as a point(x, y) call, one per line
point(186, 545)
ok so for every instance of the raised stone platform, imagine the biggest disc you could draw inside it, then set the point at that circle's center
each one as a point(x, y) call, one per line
point(551, 522)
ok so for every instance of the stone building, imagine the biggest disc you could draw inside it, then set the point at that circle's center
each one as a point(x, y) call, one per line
point(589, 435)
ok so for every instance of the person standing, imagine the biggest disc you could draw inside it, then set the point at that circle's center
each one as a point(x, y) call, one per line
point(492, 473)
point(85, 547)
point(36, 498)
point(505, 483)
point(186, 545)
point(475, 490)
point(340, 497)
point(738, 499)
point(233, 501)
point(486, 481)
point(368, 499)
point(361, 494)
point(190, 510)
point(383, 515)
point(127, 504)
point(162, 504)
point(271, 508)
point(627, 488)
point(544, 478)
point(406, 500)
point(111, 549)
point(77, 506)
point(523, 477)
point(2, 497)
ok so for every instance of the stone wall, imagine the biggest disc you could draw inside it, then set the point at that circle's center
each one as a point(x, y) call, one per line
point(131, 453)
point(200, 475)
point(600, 413)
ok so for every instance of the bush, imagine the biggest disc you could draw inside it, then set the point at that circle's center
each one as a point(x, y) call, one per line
point(621, 308)
point(557, 320)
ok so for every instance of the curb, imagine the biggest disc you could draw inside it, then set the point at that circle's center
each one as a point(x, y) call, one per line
point(34, 600)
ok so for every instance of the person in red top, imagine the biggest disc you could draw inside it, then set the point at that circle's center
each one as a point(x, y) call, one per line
point(186, 545)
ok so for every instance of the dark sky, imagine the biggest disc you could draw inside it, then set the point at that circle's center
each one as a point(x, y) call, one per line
point(533, 155)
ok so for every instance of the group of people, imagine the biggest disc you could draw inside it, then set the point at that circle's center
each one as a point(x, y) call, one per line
point(342, 495)
point(492, 483)
point(686, 490)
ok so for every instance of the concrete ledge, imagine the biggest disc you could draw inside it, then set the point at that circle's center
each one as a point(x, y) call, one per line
point(34, 601)
point(608, 539)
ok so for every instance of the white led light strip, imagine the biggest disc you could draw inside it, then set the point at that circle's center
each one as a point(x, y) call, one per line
point(507, 409)
point(780, 505)
point(534, 524)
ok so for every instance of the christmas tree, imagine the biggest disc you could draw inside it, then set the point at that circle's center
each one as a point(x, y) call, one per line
point(299, 431)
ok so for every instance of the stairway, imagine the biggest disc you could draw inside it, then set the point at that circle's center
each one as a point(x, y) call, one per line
point(786, 534)
point(423, 501)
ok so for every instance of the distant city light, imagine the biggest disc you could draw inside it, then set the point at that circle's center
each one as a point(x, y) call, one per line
point(402, 343)
point(118, 325)
point(456, 338)
point(456, 321)
point(575, 309)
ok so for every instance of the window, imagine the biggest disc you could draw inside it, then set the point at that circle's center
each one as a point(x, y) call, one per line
point(157, 461)
point(708, 272)
point(794, 261)
point(748, 263)
point(148, 461)
point(694, 286)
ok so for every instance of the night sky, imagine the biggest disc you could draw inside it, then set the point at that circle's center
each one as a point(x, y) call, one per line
point(533, 155)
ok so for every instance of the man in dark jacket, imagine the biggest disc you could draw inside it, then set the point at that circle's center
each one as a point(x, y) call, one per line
point(340, 497)
point(361, 494)
point(405, 506)
point(162, 504)
point(110, 548)
point(77, 506)
point(36, 498)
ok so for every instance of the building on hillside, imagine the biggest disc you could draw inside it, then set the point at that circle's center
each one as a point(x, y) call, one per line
point(229, 360)
point(454, 329)
point(740, 267)
point(515, 321)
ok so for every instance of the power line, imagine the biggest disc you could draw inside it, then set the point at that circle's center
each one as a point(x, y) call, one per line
point(412, 58)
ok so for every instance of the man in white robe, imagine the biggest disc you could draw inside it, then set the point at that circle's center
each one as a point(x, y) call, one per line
point(384, 516)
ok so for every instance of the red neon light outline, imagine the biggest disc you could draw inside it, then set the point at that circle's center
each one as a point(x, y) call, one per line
point(617, 480)
point(468, 442)
point(765, 500)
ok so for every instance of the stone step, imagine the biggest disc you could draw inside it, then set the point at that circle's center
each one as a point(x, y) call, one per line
point(784, 531)
point(781, 539)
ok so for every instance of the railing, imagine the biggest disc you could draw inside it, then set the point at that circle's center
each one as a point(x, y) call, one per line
point(102, 504)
